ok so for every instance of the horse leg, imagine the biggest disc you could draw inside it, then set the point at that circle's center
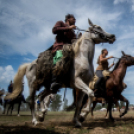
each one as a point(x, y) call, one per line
point(4, 108)
point(94, 104)
point(122, 98)
point(45, 93)
point(86, 109)
point(78, 109)
point(9, 107)
point(106, 113)
point(19, 108)
point(82, 86)
point(12, 108)
point(110, 110)
point(117, 106)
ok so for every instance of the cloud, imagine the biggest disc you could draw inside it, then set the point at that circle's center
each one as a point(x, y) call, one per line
point(30, 30)
point(119, 1)
point(7, 74)
point(130, 2)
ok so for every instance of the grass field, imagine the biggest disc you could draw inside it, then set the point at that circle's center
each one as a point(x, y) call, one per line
point(61, 123)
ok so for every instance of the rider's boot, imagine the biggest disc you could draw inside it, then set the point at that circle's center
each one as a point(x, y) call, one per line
point(55, 86)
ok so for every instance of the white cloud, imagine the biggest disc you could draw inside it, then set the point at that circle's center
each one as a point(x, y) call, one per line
point(130, 2)
point(119, 1)
point(7, 74)
point(30, 27)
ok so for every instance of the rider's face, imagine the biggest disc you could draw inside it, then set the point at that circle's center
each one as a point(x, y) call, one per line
point(72, 21)
point(105, 53)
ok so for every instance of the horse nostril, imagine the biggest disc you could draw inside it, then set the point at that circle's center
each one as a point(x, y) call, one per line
point(113, 36)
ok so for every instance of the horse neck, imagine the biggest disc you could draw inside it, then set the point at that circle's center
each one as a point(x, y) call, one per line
point(87, 47)
point(120, 71)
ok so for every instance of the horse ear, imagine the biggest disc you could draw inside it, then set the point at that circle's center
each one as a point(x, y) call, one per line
point(90, 22)
point(123, 53)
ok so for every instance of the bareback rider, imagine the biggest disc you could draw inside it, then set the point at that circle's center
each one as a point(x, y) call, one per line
point(103, 65)
point(64, 34)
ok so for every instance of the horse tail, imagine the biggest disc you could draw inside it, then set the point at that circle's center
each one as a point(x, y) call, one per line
point(17, 83)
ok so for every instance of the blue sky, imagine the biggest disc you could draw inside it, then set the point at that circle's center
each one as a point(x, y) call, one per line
point(26, 30)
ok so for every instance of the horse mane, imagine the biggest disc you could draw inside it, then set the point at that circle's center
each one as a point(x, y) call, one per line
point(116, 65)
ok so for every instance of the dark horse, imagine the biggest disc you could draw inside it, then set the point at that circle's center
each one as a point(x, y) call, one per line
point(1, 94)
point(114, 87)
point(11, 103)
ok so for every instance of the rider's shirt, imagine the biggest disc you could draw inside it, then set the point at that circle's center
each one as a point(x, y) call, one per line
point(102, 65)
point(64, 35)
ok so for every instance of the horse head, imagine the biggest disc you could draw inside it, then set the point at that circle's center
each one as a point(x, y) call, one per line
point(99, 35)
point(128, 59)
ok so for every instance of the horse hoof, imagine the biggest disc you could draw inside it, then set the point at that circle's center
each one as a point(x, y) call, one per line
point(112, 119)
point(81, 119)
point(34, 122)
point(41, 118)
point(78, 125)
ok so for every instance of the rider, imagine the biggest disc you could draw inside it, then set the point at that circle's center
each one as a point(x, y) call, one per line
point(10, 87)
point(65, 33)
point(103, 65)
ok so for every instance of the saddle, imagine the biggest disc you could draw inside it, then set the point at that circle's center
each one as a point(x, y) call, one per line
point(105, 73)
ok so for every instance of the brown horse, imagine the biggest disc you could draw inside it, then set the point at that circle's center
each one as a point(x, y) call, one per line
point(99, 100)
point(114, 87)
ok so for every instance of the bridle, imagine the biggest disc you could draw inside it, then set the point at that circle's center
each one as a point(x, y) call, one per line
point(93, 30)
point(129, 58)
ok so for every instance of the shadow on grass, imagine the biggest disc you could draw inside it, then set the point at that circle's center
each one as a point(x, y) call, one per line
point(104, 123)
point(26, 130)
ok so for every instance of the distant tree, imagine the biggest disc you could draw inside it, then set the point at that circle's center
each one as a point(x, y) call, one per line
point(98, 107)
point(131, 105)
point(122, 104)
point(28, 98)
point(65, 104)
point(56, 104)
point(27, 106)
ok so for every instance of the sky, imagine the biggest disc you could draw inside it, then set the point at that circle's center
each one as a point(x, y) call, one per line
point(26, 30)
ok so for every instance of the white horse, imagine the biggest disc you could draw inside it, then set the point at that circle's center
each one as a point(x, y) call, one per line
point(82, 70)
point(47, 100)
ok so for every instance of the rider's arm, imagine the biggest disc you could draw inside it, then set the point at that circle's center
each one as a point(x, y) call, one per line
point(104, 59)
point(59, 27)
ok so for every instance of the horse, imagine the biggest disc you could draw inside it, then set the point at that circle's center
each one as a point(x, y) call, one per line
point(11, 103)
point(99, 100)
point(2, 92)
point(113, 86)
point(47, 100)
point(80, 74)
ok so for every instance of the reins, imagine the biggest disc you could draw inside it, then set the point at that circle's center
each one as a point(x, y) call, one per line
point(92, 30)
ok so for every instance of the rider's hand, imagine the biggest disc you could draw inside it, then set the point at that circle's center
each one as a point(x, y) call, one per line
point(112, 64)
point(72, 27)
point(111, 57)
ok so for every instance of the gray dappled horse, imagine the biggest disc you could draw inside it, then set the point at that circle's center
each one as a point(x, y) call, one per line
point(82, 70)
